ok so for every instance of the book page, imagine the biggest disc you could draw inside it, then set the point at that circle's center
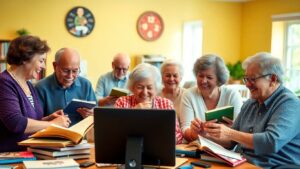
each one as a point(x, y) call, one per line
point(83, 126)
point(218, 149)
point(74, 133)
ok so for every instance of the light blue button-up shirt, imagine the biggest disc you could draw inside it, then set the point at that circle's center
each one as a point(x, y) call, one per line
point(275, 125)
point(106, 82)
point(54, 97)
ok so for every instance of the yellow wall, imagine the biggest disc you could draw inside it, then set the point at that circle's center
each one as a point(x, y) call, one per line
point(257, 23)
point(115, 28)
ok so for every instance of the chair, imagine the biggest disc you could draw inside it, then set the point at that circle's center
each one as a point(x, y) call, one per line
point(242, 89)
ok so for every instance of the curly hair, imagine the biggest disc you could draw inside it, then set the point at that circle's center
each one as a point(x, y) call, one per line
point(24, 48)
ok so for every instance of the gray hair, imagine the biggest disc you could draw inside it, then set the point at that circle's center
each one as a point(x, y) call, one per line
point(212, 61)
point(172, 62)
point(144, 71)
point(268, 64)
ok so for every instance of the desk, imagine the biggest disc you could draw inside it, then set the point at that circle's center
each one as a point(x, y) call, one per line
point(245, 165)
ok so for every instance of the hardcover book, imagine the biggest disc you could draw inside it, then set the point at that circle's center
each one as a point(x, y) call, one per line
point(76, 103)
point(229, 157)
point(118, 92)
point(218, 113)
point(54, 153)
point(57, 136)
point(47, 164)
point(82, 145)
point(16, 157)
point(74, 156)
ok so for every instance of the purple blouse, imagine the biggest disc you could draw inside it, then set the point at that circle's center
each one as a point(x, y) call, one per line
point(15, 109)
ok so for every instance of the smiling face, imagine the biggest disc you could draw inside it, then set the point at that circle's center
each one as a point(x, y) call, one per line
point(207, 80)
point(67, 68)
point(260, 88)
point(171, 77)
point(34, 66)
point(144, 90)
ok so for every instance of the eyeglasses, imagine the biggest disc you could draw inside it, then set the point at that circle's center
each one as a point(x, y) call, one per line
point(253, 79)
point(121, 69)
point(69, 71)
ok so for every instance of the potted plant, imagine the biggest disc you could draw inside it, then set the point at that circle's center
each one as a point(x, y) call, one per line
point(22, 32)
point(236, 72)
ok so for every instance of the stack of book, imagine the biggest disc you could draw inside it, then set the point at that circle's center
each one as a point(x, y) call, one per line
point(79, 151)
point(16, 157)
point(57, 142)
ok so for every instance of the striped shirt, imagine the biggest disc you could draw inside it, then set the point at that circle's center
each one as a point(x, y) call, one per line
point(158, 103)
point(30, 98)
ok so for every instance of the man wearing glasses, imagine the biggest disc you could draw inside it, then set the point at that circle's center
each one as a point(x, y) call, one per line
point(116, 78)
point(65, 84)
point(267, 128)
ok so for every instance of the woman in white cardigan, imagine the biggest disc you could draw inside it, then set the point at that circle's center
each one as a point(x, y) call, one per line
point(210, 93)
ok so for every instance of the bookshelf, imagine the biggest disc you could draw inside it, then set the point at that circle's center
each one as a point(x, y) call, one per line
point(4, 44)
point(3, 51)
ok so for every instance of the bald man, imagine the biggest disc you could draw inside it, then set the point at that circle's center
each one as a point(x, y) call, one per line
point(65, 84)
point(116, 78)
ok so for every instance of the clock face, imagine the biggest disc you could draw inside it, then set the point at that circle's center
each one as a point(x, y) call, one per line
point(80, 21)
point(150, 26)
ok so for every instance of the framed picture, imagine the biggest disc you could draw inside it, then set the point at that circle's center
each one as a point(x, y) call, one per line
point(150, 26)
point(80, 21)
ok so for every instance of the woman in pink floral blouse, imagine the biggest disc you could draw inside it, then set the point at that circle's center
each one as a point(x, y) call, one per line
point(144, 83)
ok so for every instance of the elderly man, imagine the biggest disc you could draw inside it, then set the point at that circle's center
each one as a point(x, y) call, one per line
point(116, 78)
point(58, 89)
point(267, 128)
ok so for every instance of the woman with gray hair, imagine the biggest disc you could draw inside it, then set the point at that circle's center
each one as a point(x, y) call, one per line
point(172, 73)
point(144, 83)
point(210, 93)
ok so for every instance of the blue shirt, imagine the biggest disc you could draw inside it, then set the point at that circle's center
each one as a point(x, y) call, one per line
point(54, 97)
point(275, 125)
point(107, 82)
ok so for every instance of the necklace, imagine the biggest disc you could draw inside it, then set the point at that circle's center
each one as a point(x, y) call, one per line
point(26, 89)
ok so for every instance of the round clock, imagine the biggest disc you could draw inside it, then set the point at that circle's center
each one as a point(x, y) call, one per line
point(80, 21)
point(150, 26)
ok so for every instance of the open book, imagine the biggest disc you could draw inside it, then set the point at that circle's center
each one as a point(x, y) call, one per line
point(218, 113)
point(118, 92)
point(229, 157)
point(76, 103)
point(57, 136)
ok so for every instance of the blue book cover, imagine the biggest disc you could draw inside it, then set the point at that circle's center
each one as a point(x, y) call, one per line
point(76, 103)
point(15, 160)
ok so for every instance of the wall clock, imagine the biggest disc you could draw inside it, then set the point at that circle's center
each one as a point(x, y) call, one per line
point(80, 21)
point(150, 26)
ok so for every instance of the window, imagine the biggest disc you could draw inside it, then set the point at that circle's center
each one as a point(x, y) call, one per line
point(292, 55)
point(192, 48)
point(286, 45)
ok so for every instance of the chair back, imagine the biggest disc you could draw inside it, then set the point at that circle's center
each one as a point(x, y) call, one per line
point(242, 89)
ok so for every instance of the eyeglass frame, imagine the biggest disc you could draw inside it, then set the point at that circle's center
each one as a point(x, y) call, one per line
point(121, 69)
point(252, 80)
point(66, 71)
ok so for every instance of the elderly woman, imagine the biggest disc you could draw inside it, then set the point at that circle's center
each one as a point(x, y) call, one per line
point(20, 110)
point(144, 82)
point(210, 93)
point(172, 73)
point(267, 129)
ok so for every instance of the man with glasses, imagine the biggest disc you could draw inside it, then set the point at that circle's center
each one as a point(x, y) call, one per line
point(116, 78)
point(65, 84)
point(267, 128)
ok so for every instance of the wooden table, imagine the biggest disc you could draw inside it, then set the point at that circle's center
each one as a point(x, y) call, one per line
point(245, 165)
